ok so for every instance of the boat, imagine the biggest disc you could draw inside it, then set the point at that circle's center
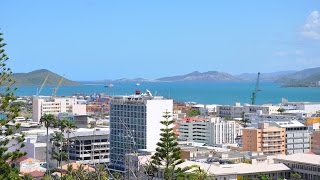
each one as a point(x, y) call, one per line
point(109, 85)
point(138, 84)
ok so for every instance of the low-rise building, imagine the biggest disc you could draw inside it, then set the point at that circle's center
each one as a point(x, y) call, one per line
point(135, 168)
point(237, 111)
point(307, 165)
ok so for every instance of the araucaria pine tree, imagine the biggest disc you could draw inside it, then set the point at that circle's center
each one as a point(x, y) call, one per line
point(168, 154)
point(7, 127)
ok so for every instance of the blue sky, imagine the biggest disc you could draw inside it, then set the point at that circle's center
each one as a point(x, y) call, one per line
point(94, 40)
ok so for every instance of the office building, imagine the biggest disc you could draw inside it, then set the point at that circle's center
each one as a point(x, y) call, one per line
point(135, 125)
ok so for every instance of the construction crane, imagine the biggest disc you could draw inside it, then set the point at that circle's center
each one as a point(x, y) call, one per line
point(55, 90)
point(256, 90)
point(43, 83)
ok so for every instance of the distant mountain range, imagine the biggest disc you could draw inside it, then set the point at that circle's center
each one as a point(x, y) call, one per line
point(303, 78)
point(37, 77)
point(269, 77)
point(205, 76)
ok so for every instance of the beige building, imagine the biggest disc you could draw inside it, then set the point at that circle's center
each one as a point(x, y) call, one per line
point(265, 138)
point(55, 105)
point(315, 142)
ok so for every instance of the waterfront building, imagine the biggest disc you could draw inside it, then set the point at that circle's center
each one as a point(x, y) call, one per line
point(307, 165)
point(135, 125)
point(315, 142)
point(237, 111)
point(307, 107)
point(267, 139)
point(55, 105)
point(211, 131)
point(297, 136)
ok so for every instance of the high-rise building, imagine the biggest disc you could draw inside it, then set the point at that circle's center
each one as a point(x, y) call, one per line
point(265, 138)
point(210, 131)
point(135, 125)
point(55, 105)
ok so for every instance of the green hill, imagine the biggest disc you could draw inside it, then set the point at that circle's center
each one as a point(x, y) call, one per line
point(305, 78)
point(36, 78)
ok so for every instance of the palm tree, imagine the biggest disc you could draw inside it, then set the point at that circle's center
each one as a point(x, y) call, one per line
point(67, 126)
point(59, 156)
point(57, 139)
point(48, 120)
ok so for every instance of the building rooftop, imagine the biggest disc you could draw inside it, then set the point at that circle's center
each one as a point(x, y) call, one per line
point(234, 169)
point(89, 132)
point(302, 158)
point(286, 124)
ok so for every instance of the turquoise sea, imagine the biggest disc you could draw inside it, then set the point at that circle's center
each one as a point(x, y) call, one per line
point(201, 92)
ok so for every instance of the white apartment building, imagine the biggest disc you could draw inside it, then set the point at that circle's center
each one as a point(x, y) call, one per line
point(212, 131)
point(135, 125)
point(297, 136)
point(54, 105)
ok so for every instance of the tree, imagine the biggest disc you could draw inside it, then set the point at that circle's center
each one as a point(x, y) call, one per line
point(193, 112)
point(168, 153)
point(8, 113)
point(264, 177)
point(48, 120)
point(281, 110)
point(67, 126)
point(199, 174)
point(295, 176)
point(57, 152)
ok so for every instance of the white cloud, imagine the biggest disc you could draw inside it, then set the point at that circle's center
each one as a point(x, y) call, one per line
point(311, 29)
